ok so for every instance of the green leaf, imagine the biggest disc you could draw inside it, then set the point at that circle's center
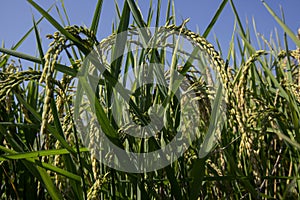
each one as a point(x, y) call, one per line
point(197, 175)
point(50, 128)
point(282, 24)
point(214, 125)
point(59, 27)
point(284, 137)
point(34, 154)
point(175, 189)
point(59, 67)
point(20, 55)
point(237, 17)
point(190, 60)
point(53, 191)
point(101, 116)
point(117, 9)
point(121, 40)
point(96, 18)
point(39, 41)
point(157, 13)
point(39, 163)
point(137, 14)
point(215, 18)
point(65, 11)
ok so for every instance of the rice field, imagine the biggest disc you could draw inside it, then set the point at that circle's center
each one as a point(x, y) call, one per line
point(238, 114)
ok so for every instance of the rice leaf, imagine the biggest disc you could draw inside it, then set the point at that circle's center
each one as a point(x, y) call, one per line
point(59, 27)
point(290, 33)
point(96, 17)
point(215, 18)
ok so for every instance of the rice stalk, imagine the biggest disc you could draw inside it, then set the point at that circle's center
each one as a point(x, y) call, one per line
point(257, 155)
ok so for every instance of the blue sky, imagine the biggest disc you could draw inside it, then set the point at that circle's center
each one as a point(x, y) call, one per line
point(16, 18)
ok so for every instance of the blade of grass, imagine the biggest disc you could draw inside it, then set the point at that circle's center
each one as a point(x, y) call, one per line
point(137, 14)
point(20, 55)
point(118, 51)
point(168, 13)
point(101, 115)
point(173, 12)
point(69, 23)
point(284, 137)
point(215, 117)
point(150, 14)
point(53, 191)
point(236, 172)
point(59, 27)
point(138, 18)
point(62, 68)
point(42, 164)
point(35, 154)
point(256, 33)
point(38, 41)
point(60, 16)
point(96, 18)
point(29, 31)
point(231, 45)
point(282, 24)
point(39, 173)
point(158, 7)
point(117, 9)
point(215, 18)
point(120, 41)
point(288, 66)
point(65, 11)
point(175, 189)
point(237, 18)
point(68, 160)
point(197, 174)
point(190, 60)
point(50, 128)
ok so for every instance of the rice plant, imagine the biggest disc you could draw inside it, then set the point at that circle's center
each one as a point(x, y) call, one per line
point(253, 155)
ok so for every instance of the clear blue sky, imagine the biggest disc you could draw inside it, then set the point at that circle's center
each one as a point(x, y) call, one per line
point(16, 17)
